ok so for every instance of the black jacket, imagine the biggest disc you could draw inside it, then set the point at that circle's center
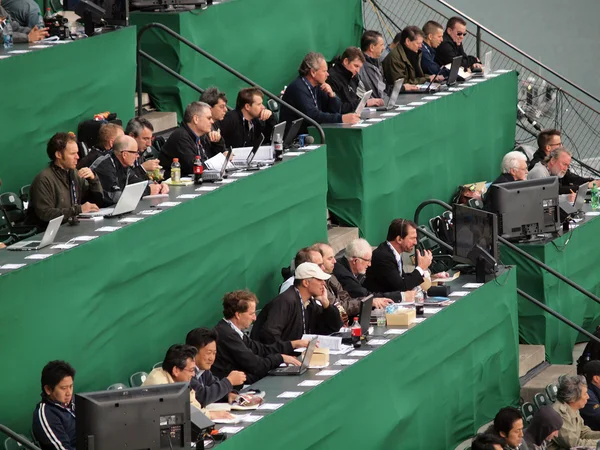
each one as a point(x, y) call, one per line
point(591, 411)
point(384, 276)
point(114, 177)
point(245, 354)
point(53, 425)
point(570, 182)
point(92, 156)
point(448, 50)
point(298, 94)
point(282, 319)
point(210, 389)
point(185, 145)
point(353, 285)
point(344, 85)
point(236, 135)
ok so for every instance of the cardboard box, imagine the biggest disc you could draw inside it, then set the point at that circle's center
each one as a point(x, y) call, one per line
point(402, 317)
point(320, 357)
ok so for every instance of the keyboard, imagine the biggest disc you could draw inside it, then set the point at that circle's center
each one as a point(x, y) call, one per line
point(100, 213)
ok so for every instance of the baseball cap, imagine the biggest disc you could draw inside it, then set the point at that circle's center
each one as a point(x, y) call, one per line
point(310, 270)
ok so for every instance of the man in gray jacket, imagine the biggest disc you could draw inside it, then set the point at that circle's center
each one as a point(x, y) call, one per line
point(20, 33)
point(371, 73)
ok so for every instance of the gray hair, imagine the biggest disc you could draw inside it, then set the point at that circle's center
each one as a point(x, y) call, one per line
point(136, 125)
point(193, 109)
point(571, 388)
point(311, 61)
point(554, 154)
point(358, 248)
point(511, 161)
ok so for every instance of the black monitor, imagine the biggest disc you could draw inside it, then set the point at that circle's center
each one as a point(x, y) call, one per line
point(527, 208)
point(148, 417)
point(116, 12)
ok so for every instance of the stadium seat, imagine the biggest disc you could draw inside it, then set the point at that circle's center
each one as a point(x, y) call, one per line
point(475, 203)
point(137, 379)
point(551, 391)
point(157, 365)
point(11, 444)
point(12, 209)
point(540, 400)
point(24, 193)
point(116, 387)
point(527, 411)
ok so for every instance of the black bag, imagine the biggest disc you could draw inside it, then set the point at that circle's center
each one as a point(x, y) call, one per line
point(443, 228)
point(590, 353)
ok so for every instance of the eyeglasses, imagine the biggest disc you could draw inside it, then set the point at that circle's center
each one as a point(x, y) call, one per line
point(364, 259)
point(135, 152)
point(190, 370)
point(461, 34)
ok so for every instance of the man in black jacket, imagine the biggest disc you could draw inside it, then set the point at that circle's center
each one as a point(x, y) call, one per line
point(452, 46)
point(296, 312)
point(185, 142)
point(217, 101)
point(242, 126)
point(387, 272)
point(106, 139)
point(208, 388)
point(343, 79)
point(310, 94)
point(236, 351)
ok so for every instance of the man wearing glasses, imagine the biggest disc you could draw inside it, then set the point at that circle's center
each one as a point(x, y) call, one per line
point(452, 45)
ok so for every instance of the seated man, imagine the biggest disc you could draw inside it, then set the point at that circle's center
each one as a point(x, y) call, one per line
point(141, 130)
point(434, 35)
point(591, 411)
point(392, 45)
point(307, 254)
point(343, 79)
point(185, 142)
point(514, 168)
point(53, 423)
point(106, 139)
point(351, 268)
point(20, 33)
point(387, 273)
point(452, 46)
point(217, 101)
point(59, 189)
point(486, 441)
point(26, 12)
point(236, 351)
point(556, 164)
point(242, 126)
point(310, 94)
point(210, 389)
point(371, 73)
point(405, 61)
point(296, 312)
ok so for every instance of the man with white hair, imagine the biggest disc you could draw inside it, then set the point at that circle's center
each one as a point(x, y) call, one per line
point(514, 168)
point(350, 271)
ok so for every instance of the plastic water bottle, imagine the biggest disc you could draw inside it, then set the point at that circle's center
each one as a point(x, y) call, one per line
point(356, 332)
point(278, 147)
point(40, 21)
point(176, 171)
point(595, 200)
point(48, 14)
point(7, 34)
point(198, 169)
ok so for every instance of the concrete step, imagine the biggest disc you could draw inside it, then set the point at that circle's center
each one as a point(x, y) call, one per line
point(145, 99)
point(530, 356)
point(340, 237)
point(547, 376)
point(162, 120)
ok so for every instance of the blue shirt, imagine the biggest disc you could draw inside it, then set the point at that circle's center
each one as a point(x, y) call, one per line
point(428, 63)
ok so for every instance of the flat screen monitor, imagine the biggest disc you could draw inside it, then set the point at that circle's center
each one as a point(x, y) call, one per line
point(116, 11)
point(527, 208)
point(474, 227)
point(148, 417)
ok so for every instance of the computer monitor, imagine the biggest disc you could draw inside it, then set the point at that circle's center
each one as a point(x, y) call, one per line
point(475, 232)
point(148, 417)
point(527, 208)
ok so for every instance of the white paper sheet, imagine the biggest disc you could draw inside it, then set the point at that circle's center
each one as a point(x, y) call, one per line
point(395, 331)
point(290, 394)
point(327, 373)
point(472, 285)
point(38, 256)
point(310, 383)
point(378, 341)
point(108, 229)
point(270, 406)
point(458, 293)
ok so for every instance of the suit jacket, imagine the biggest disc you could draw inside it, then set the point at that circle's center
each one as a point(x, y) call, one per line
point(282, 319)
point(353, 286)
point(383, 275)
point(235, 133)
point(245, 354)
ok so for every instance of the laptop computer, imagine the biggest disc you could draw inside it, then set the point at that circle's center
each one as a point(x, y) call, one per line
point(292, 133)
point(391, 103)
point(128, 201)
point(364, 318)
point(487, 66)
point(298, 370)
point(211, 176)
point(278, 129)
point(47, 239)
point(247, 164)
point(577, 206)
point(363, 102)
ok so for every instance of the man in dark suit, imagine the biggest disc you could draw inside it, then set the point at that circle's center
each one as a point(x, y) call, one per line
point(236, 351)
point(452, 45)
point(296, 312)
point(386, 273)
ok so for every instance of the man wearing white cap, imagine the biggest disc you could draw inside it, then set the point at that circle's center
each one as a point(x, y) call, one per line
point(295, 312)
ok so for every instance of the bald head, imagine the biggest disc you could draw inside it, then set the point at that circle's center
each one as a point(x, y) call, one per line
point(126, 150)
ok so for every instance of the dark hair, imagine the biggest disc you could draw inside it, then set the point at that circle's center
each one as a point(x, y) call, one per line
point(369, 37)
point(590, 369)
point(246, 96)
point(544, 137)
point(504, 420)
point(399, 227)
point(411, 33)
point(54, 372)
point(353, 53)
point(177, 356)
point(486, 442)
point(303, 256)
point(397, 38)
point(430, 27)
point(237, 302)
point(212, 96)
point(200, 337)
point(136, 125)
point(107, 132)
point(454, 20)
point(58, 143)
point(310, 62)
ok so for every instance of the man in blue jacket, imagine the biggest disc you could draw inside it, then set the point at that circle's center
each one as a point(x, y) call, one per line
point(591, 411)
point(434, 35)
point(54, 417)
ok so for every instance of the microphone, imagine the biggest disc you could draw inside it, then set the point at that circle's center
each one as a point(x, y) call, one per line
point(533, 123)
point(428, 89)
point(309, 140)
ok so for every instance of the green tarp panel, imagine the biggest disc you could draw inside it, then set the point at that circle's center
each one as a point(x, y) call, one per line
point(53, 89)
point(263, 39)
point(386, 170)
point(572, 256)
point(113, 306)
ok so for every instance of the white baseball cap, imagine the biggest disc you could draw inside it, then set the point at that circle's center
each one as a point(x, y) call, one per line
point(310, 270)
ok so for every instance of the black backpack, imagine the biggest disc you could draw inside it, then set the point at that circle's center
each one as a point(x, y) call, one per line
point(590, 353)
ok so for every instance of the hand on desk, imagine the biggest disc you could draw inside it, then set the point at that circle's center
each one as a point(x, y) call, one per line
point(351, 118)
point(381, 302)
point(290, 360)
point(89, 207)
point(375, 102)
point(410, 87)
point(300, 343)
point(219, 415)
point(236, 378)
point(37, 34)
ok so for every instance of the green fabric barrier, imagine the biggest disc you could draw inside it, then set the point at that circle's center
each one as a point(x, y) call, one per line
point(267, 48)
point(54, 89)
point(575, 261)
point(114, 305)
point(429, 389)
point(386, 170)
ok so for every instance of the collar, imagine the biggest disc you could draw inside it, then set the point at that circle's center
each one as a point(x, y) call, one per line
point(408, 51)
point(236, 329)
point(308, 85)
point(189, 130)
point(371, 60)
point(302, 302)
point(342, 70)
point(428, 48)
point(396, 254)
point(198, 373)
point(70, 407)
point(448, 38)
